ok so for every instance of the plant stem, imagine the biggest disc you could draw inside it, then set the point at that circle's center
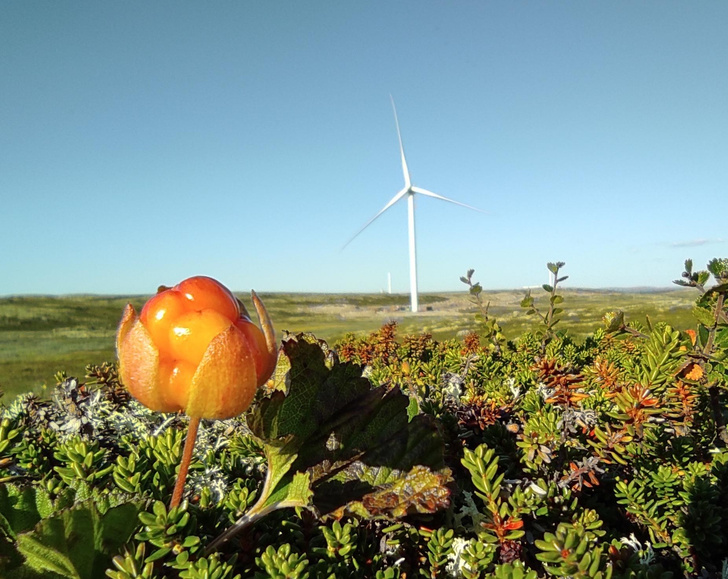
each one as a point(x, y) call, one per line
point(633, 332)
point(185, 464)
point(247, 519)
point(712, 331)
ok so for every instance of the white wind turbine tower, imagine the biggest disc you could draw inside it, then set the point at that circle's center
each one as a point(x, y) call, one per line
point(409, 190)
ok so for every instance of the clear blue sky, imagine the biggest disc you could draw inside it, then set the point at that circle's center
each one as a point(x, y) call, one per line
point(144, 142)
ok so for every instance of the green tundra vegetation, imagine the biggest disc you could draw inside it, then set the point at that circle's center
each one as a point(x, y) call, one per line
point(392, 451)
point(43, 335)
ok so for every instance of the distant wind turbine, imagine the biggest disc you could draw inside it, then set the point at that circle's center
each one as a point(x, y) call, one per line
point(410, 191)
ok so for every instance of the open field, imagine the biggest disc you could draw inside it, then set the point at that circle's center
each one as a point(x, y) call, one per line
point(41, 335)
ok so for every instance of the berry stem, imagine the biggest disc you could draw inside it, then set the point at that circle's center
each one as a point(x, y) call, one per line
point(185, 464)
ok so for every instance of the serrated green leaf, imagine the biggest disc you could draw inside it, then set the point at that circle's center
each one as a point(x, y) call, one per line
point(527, 301)
point(42, 561)
point(703, 315)
point(718, 267)
point(309, 386)
point(77, 543)
point(418, 491)
point(21, 509)
point(330, 438)
point(718, 288)
point(613, 321)
point(721, 337)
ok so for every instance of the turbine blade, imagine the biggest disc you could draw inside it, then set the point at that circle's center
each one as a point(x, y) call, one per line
point(436, 196)
point(405, 170)
point(392, 201)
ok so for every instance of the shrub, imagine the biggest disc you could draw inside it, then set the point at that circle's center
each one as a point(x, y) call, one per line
point(535, 458)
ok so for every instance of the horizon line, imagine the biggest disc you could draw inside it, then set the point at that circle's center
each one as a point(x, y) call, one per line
point(637, 288)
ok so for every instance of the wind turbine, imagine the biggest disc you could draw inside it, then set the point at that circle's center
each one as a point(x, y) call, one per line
point(410, 191)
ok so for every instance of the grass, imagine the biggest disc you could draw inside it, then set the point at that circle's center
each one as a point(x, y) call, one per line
point(42, 335)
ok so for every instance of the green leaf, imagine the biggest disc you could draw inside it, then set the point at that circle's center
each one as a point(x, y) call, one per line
point(703, 335)
point(719, 268)
point(371, 437)
point(418, 491)
point(547, 287)
point(307, 391)
point(294, 493)
point(719, 288)
point(77, 543)
point(21, 509)
point(553, 268)
point(703, 315)
point(413, 408)
point(330, 438)
point(721, 337)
